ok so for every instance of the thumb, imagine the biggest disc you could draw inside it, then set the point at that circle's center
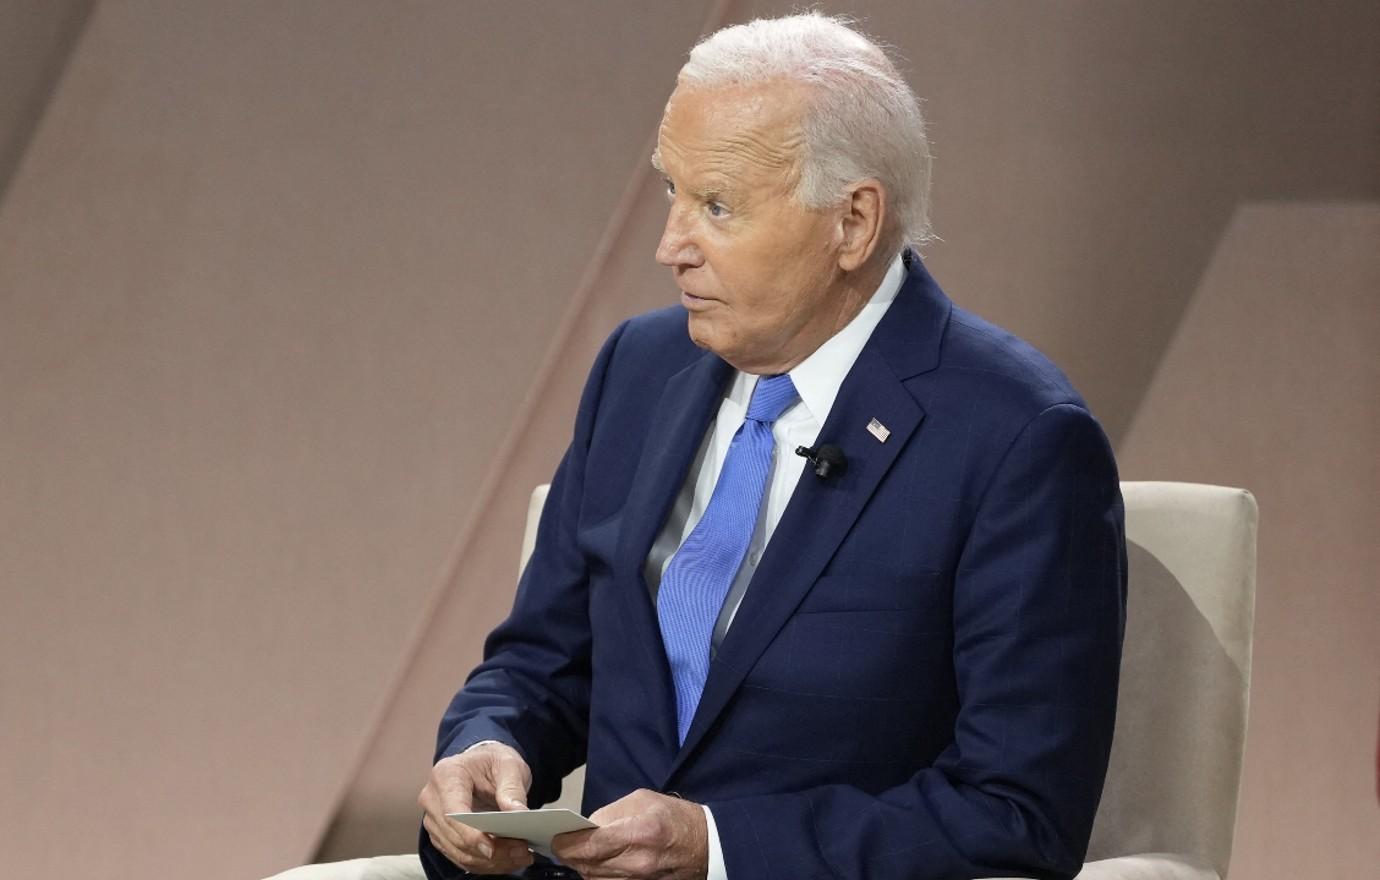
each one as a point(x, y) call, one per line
point(510, 795)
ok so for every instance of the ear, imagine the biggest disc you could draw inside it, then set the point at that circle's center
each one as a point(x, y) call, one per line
point(860, 223)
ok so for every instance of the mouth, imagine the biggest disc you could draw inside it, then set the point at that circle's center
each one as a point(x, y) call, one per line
point(690, 301)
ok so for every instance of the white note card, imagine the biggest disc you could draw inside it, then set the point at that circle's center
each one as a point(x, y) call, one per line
point(537, 827)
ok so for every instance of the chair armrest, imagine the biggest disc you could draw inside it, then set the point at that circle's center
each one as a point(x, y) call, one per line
point(1148, 866)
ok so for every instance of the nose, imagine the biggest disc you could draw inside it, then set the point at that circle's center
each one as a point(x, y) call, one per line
point(677, 248)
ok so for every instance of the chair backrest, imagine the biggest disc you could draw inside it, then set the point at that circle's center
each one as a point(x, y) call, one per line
point(529, 535)
point(1185, 672)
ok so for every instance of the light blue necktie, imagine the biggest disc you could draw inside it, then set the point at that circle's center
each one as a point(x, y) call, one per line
point(693, 589)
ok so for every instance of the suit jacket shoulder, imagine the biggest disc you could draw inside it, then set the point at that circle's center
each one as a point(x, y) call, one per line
point(1004, 365)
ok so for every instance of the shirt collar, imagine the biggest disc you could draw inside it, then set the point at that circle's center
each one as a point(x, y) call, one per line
point(818, 378)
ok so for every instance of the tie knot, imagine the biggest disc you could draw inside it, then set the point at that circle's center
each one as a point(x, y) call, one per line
point(772, 397)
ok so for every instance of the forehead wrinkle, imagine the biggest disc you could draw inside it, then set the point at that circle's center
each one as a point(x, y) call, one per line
point(721, 165)
point(762, 149)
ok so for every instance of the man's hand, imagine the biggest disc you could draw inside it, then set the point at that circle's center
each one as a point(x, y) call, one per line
point(645, 835)
point(490, 776)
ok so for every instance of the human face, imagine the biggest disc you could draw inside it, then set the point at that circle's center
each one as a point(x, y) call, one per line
point(758, 272)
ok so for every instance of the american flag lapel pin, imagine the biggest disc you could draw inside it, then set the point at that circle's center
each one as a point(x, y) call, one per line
point(878, 430)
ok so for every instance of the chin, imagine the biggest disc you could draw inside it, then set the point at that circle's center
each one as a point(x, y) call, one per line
point(699, 330)
point(702, 333)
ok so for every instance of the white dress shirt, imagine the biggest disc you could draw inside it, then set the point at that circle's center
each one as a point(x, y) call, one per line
point(817, 380)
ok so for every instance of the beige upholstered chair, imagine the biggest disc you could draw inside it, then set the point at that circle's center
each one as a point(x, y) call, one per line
point(535, 504)
point(1169, 807)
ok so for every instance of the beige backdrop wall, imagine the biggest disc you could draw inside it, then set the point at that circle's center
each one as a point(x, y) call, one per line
point(295, 300)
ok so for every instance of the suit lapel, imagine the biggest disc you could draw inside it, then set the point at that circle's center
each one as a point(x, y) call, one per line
point(820, 513)
point(688, 401)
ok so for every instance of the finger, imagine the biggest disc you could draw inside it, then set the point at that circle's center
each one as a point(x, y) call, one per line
point(572, 850)
point(454, 785)
point(469, 841)
point(434, 818)
point(637, 863)
point(510, 783)
point(511, 798)
point(508, 857)
point(446, 846)
point(480, 854)
point(511, 855)
point(593, 845)
point(570, 843)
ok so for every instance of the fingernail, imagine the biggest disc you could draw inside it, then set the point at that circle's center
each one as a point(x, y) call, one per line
point(486, 850)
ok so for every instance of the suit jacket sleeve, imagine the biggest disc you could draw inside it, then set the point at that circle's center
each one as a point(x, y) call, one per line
point(1038, 613)
point(532, 689)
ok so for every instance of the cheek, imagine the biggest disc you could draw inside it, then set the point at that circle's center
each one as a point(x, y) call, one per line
point(772, 306)
point(760, 290)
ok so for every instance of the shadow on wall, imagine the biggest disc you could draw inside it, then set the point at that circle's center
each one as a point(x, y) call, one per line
point(35, 43)
point(1158, 750)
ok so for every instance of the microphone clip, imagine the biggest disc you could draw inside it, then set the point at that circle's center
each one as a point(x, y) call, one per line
point(828, 460)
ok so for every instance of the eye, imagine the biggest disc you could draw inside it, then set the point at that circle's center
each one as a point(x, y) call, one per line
point(670, 187)
point(716, 209)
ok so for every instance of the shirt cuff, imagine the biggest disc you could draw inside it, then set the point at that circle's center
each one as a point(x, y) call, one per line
point(717, 869)
point(482, 742)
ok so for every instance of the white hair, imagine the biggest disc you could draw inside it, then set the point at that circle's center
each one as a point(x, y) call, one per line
point(861, 120)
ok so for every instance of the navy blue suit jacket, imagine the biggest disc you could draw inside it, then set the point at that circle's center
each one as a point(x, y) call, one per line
point(921, 679)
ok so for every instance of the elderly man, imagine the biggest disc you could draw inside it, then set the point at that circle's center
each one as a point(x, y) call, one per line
point(894, 655)
point(902, 664)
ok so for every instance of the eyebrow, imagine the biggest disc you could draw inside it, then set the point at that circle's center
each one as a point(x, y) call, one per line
point(713, 192)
